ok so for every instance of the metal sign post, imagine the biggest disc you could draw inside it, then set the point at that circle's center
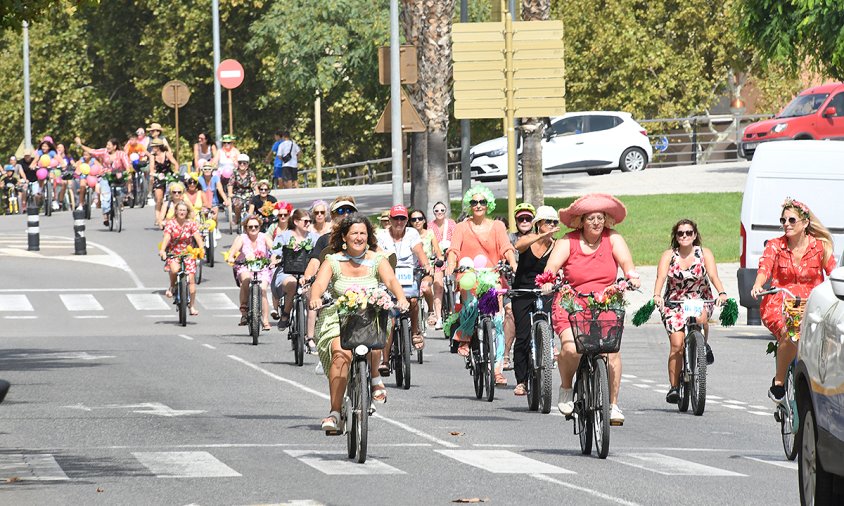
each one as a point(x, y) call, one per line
point(230, 75)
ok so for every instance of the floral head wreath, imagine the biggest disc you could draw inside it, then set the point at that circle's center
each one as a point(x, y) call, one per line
point(801, 208)
point(278, 206)
point(479, 189)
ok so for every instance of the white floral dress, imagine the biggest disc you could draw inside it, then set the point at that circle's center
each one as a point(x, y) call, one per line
point(691, 283)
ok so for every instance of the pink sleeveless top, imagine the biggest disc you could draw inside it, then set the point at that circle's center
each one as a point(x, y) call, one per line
point(590, 273)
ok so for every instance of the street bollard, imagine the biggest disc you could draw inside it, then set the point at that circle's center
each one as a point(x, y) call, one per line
point(79, 242)
point(32, 229)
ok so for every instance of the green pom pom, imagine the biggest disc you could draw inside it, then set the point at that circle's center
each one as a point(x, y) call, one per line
point(451, 320)
point(643, 313)
point(772, 348)
point(486, 281)
point(729, 313)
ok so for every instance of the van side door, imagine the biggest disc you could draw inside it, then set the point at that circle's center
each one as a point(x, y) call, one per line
point(832, 126)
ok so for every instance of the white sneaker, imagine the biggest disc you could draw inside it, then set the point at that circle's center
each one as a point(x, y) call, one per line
point(565, 401)
point(55, 206)
point(318, 369)
point(439, 325)
point(616, 416)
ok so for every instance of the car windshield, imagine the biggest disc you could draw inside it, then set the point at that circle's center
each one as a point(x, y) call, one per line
point(803, 105)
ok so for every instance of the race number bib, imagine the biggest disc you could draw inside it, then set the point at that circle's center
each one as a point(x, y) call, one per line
point(692, 308)
point(405, 275)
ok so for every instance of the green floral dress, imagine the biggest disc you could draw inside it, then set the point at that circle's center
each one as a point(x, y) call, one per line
point(328, 323)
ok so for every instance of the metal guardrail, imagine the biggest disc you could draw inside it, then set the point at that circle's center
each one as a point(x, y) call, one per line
point(690, 140)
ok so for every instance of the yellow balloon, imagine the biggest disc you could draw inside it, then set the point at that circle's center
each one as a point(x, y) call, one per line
point(44, 161)
point(85, 169)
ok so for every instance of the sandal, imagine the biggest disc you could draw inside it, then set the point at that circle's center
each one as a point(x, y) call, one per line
point(432, 319)
point(266, 327)
point(418, 342)
point(463, 350)
point(384, 370)
point(243, 321)
point(169, 292)
point(274, 314)
point(500, 380)
point(310, 346)
point(331, 424)
point(520, 389)
point(193, 311)
point(379, 391)
point(508, 365)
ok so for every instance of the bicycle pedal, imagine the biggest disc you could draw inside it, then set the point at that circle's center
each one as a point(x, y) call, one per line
point(616, 423)
point(371, 410)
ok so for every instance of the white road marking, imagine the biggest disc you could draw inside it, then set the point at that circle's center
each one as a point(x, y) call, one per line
point(184, 465)
point(502, 462)
point(169, 315)
point(127, 289)
point(628, 376)
point(147, 301)
point(481, 445)
point(209, 346)
point(640, 385)
point(183, 336)
point(21, 317)
point(761, 413)
point(669, 466)
point(216, 301)
point(710, 401)
point(647, 380)
point(625, 380)
point(80, 302)
point(338, 463)
point(322, 395)
point(15, 303)
point(600, 495)
point(90, 317)
point(730, 401)
point(787, 464)
point(732, 406)
point(145, 408)
point(714, 397)
point(754, 406)
point(227, 315)
point(31, 467)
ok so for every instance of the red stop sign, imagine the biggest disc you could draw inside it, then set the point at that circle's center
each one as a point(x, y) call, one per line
point(230, 74)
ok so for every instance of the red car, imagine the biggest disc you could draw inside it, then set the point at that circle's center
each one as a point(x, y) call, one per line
point(816, 113)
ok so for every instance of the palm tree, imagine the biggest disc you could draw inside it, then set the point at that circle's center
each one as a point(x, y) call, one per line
point(533, 128)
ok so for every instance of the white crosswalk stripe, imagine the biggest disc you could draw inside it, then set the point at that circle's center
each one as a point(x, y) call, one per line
point(15, 303)
point(669, 466)
point(215, 301)
point(38, 467)
point(80, 302)
point(502, 462)
point(147, 301)
point(184, 465)
point(338, 463)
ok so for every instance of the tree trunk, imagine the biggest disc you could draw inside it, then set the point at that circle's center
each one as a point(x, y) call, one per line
point(533, 128)
point(534, 191)
point(437, 169)
point(419, 170)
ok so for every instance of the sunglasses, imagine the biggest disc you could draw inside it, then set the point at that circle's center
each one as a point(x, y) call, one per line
point(344, 210)
point(253, 227)
point(399, 218)
point(685, 233)
point(285, 215)
point(474, 203)
point(175, 192)
point(439, 211)
point(524, 219)
point(306, 222)
point(791, 221)
point(553, 223)
point(226, 143)
point(320, 213)
point(417, 219)
point(264, 189)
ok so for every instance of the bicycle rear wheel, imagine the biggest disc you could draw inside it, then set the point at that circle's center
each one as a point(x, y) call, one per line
point(182, 293)
point(583, 415)
point(48, 197)
point(685, 383)
point(361, 410)
point(118, 211)
point(545, 359)
point(788, 417)
point(601, 405)
point(532, 380)
point(489, 349)
point(254, 312)
point(697, 363)
point(88, 202)
point(209, 254)
point(298, 321)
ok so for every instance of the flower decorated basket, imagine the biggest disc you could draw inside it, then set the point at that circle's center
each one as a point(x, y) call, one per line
point(597, 319)
point(363, 317)
point(295, 255)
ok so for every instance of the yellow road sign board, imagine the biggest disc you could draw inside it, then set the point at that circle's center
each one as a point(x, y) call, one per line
point(410, 120)
point(492, 84)
point(489, 113)
point(479, 66)
point(520, 84)
point(497, 95)
point(559, 92)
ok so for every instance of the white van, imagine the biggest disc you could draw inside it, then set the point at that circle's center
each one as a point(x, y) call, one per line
point(809, 171)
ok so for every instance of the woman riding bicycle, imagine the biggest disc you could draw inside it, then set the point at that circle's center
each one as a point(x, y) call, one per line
point(242, 186)
point(590, 256)
point(296, 238)
point(116, 166)
point(481, 236)
point(321, 221)
point(163, 171)
point(250, 244)
point(282, 211)
point(428, 285)
point(227, 156)
point(168, 209)
point(689, 268)
point(524, 215)
point(796, 261)
point(257, 204)
point(356, 263)
point(203, 151)
point(407, 246)
point(534, 250)
point(210, 183)
point(180, 233)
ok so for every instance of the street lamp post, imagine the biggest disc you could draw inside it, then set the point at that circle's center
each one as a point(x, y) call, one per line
point(395, 112)
point(218, 94)
point(27, 120)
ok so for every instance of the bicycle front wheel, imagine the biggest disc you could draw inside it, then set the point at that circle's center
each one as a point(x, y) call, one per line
point(697, 365)
point(182, 293)
point(48, 197)
point(489, 350)
point(583, 415)
point(788, 417)
point(118, 215)
point(298, 321)
point(405, 347)
point(545, 359)
point(601, 407)
point(254, 312)
point(361, 410)
point(209, 254)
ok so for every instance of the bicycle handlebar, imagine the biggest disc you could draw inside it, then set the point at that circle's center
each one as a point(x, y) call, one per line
point(777, 289)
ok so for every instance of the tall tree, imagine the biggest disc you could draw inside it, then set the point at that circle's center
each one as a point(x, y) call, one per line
point(435, 80)
point(796, 32)
point(533, 128)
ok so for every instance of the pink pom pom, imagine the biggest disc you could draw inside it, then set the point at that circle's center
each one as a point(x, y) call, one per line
point(480, 261)
point(41, 174)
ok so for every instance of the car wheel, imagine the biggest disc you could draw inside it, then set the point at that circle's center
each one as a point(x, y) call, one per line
point(633, 160)
point(815, 483)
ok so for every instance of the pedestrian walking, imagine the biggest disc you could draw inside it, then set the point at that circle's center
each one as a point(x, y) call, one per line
point(288, 154)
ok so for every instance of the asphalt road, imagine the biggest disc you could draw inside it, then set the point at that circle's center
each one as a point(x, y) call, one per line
point(113, 403)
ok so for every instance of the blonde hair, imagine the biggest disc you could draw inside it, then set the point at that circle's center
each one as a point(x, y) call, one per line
point(187, 206)
point(577, 221)
point(815, 228)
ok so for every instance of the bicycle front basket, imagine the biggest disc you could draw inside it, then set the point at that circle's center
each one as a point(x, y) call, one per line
point(367, 327)
point(294, 262)
point(597, 331)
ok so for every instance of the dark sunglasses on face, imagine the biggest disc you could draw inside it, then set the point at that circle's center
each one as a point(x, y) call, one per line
point(685, 233)
point(319, 213)
point(176, 192)
point(417, 219)
point(263, 189)
point(253, 227)
point(399, 218)
point(344, 210)
point(283, 215)
point(791, 220)
point(524, 219)
point(552, 223)
point(481, 202)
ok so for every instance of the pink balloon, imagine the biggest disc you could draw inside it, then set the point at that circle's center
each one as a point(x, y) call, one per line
point(226, 172)
point(54, 162)
point(480, 261)
point(92, 181)
point(96, 170)
point(41, 174)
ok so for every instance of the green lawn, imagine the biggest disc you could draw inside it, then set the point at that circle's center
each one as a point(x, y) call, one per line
point(647, 228)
